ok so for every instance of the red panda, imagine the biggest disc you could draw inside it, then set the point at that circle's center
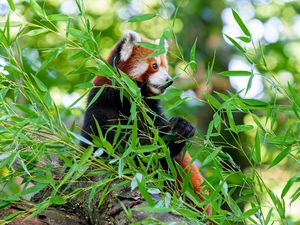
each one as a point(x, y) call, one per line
point(152, 77)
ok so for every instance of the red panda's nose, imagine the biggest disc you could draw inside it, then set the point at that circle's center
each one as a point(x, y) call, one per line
point(168, 83)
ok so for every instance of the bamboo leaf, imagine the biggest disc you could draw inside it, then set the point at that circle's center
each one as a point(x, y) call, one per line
point(36, 32)
point(257, 148)
point(280, 157)
point(212, 100)
point(40, 84)
point(210, 68)
point(142, 17)
point(144, 193)
point(50, 58)
point(241, 23)
point(148, 45)
point(245, 39)
point(233, 73)
point(37, 9)
point(11, 5)
point(289, 184)
point(192, 62)
point(235, 43)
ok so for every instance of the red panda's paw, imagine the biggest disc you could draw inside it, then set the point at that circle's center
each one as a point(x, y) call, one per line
point(182, 128)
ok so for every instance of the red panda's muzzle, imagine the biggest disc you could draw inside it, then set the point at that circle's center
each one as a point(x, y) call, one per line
point(156, 89)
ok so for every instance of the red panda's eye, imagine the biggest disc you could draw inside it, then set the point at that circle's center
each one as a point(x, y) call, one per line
point(155, 66)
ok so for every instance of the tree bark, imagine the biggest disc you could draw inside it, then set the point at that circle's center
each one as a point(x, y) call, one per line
point(77, 211)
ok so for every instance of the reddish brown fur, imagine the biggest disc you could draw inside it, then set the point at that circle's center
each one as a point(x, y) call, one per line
point(138, 55)
point(195, 177)
point(99, 81)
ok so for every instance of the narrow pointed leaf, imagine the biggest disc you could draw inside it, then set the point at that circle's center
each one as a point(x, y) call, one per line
point(241, 23)
point(142, 17)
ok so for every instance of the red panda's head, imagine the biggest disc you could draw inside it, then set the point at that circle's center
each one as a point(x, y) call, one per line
point(132, 59)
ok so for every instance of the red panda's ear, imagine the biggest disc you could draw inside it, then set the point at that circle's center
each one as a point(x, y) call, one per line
point(129, 40)
point(166, 43)
point(123, 50)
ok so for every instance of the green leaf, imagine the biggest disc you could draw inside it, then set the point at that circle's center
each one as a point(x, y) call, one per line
point(257, 121)
point(233, 73)
point(10, 198)
point(289, 184)
point(57, 200)
point(245, 39)
point(235, 43)
point(96, 96)
point(86, 155)
point(254, 102)
point(257, 148)
point(156, 53)
point(13, 216)
point(81, 138)
point(137, 178)
point(85, 85)
point(39, 208)
point(58, 17)
point(217, 121)
point(241, 128)
point(280, 157)
point(11, 5)
point(144, 193)
point(212, 100)
point(37, 9)
point(240, 23)
point(282, 140)
point(142, 17)
point(250, 212)
point(167, 34)
point(192, 62)
point(249, 84)
point(40, 84)
point(230, 118)
point(33, 189)
point(269, 216)
point(36, 32)
point(294, 95)
point(148, 45)
point(210, 68)
point(50, 58)
point(211, 157)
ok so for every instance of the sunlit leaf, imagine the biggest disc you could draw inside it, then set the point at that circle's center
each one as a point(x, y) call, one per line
point(232, 73)
point(142, 17)
point(40, 84)
point(280, 157)
point(11, 4)
point(148, 45)
point(245, 39)
point(37, 9)
point(240, 23)
point(235, 43)
point(289, 184)
point(193, 56)
point(257, 148)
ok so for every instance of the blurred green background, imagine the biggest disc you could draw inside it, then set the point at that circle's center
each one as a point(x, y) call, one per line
point(274, 25)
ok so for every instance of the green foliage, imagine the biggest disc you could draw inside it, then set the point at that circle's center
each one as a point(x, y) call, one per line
point(36, 132)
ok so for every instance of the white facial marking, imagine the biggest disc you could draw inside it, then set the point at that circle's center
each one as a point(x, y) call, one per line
point(139, 69)
point(159, 78)
point(154, 90)
point(158, 60)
